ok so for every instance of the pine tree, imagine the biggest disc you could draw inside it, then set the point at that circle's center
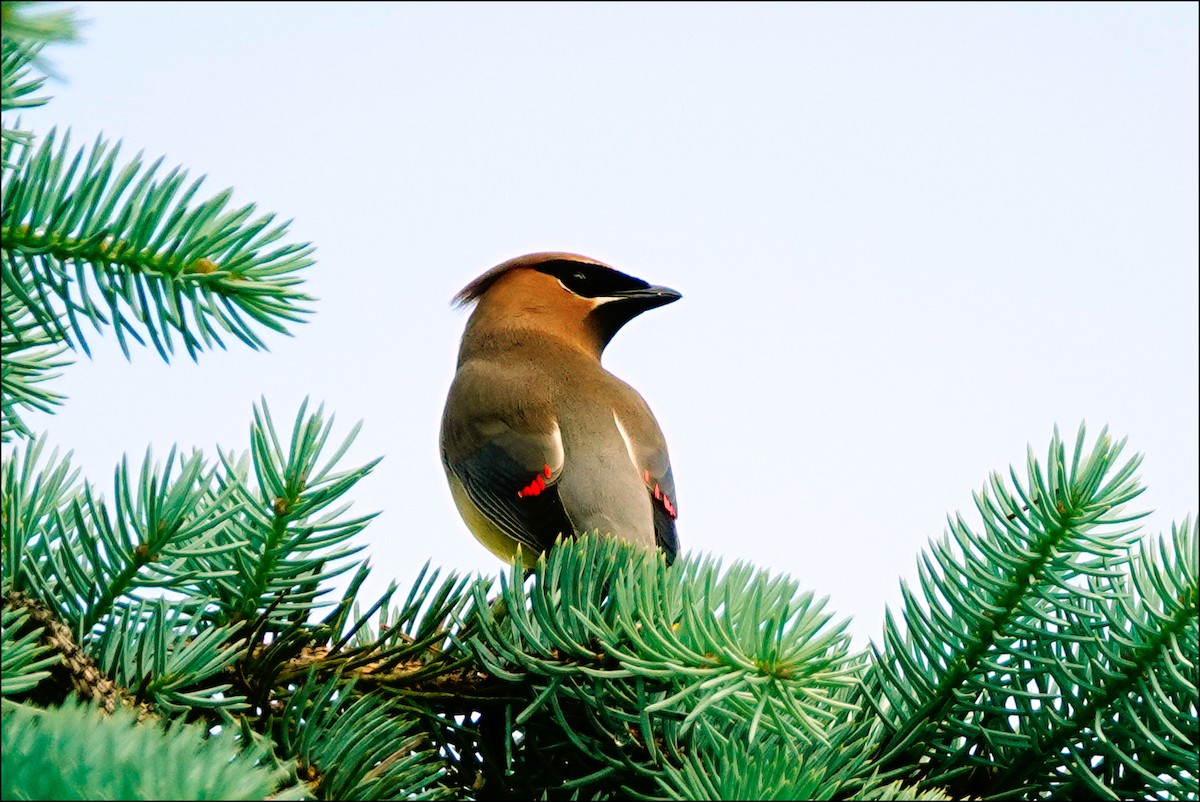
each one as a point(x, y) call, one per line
point(174, 639)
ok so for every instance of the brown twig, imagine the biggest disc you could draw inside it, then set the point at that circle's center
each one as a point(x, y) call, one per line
point(75, 671)
point(416, 678)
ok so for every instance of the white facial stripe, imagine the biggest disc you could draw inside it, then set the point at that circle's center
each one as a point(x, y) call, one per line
point(560, 454)
point(628, 442)
point(597, 301)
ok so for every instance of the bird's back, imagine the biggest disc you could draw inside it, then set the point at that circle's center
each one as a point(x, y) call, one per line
point(611, 445)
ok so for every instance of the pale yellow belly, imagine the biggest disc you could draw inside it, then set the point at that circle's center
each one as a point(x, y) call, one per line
point(486, 532)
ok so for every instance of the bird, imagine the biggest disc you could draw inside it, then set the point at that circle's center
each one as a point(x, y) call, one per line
point(538, 439)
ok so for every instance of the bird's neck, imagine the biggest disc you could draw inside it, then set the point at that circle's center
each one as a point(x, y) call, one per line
point(487, 336)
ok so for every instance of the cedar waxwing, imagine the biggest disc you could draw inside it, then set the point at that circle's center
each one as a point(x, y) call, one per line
point(538, 439)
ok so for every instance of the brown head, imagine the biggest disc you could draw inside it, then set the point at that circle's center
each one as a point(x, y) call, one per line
point(562, 295)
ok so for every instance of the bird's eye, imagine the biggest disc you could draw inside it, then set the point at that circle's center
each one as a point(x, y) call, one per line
point(577, 281)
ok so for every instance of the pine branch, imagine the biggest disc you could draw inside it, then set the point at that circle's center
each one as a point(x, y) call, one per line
point(86, 242)
point(289, 518)
point(171, 656)
point(722, 765)
point(246, 565)
point(415, 648)
point(604, 673)
point(28, 358)
point(619, 658)
point(72, 551)
point(351, 746)
point(460, 689)
point(1022, 644)
point(23, 659)
point(37, 29)
point(17, 85)
point(1128, 715)
point(71, 670)
point(31, 500)
point(76, 752)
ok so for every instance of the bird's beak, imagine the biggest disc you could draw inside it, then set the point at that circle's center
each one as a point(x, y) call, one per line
point(647, 297)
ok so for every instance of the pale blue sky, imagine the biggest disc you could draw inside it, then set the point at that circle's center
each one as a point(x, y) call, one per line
point(910, 239)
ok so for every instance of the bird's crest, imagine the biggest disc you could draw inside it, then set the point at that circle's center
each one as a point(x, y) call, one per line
point(473, 291)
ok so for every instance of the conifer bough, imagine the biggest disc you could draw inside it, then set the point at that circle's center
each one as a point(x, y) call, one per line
point(1050, 654)
point(89, 241)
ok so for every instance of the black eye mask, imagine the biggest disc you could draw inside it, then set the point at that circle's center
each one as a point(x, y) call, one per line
point(591, 281)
